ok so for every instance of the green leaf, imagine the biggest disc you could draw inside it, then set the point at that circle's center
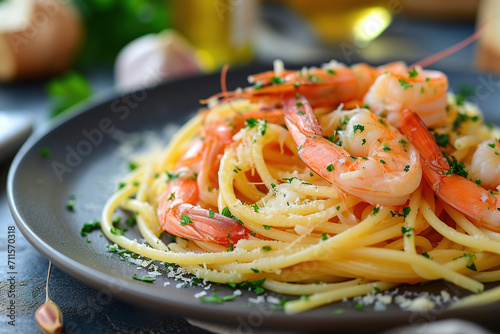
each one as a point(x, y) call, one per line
point(66, 91)
point(89, 227)
point(144, 278)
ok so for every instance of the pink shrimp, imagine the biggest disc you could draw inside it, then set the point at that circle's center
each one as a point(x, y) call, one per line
point(331, 85)
point(179, 216)
point(480, 204)
point(381, 167)
point(179, 212)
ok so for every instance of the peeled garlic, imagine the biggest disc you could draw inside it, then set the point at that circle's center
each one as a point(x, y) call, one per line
point(152, 58)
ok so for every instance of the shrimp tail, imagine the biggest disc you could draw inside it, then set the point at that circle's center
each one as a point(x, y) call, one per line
point(459, 192)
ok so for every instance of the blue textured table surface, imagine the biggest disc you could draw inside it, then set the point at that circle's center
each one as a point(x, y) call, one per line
point(87, 310)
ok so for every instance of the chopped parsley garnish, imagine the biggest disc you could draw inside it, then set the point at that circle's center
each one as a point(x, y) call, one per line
point(491, 145)
point(359, 306)
point(213, 298)
point(227, 213)
point(278, 80)
point(255, 207)
point(324, 236)
point(144, 278)
point(405, 84)
point(258, 85)
point(406, 231)
point(406, 211)
point(89, 227)
point(382, 161)
point(426, 255)
point(289, 179)
point(45, 152)
point(298, 104)
point(386, 148)
point(210, 213)
point(413, 73)
point(171, 197)
point(330, 167)
point(442, 139)
point(131, 221)
point(463, 93)
point(70, 205)
point(132, 166)
point(470, 263)
point(478, 182)
point(121, 185)
point(407, 168)
point(403, 142)
point(250, 122)
point(457, 168)
point(185, 220)
point(330, 71)
point(171, 176)
point(255, 286)
point(267, 227)
point(230, 247)
point(461, 118)
point(375, 210)
point(300, 112)
point(117, 231)
point(359, 127)
point(363, 141)
point(254, 270)
point(266, 248)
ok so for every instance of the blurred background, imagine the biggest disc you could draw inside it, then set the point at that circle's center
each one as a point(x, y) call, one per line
point(75, 48)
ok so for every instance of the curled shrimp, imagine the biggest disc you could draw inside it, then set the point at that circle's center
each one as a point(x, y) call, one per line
point(465, 196)
point(330, 85)
point(485, 164)
point(377, 164)
point(196, 183)
point(422, 91)
point(179, 216)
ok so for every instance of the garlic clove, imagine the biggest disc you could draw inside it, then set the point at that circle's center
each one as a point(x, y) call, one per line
point(49, 317)
point(152, 58)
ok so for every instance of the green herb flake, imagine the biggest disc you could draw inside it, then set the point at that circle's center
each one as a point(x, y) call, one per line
point(375, 210)
point(386, 148)
point(213, 298)
point(442, 139)
point(89, 227)
point(258, 85)
point(426, 255)
point(144, 278)
point(324, 236)
point(117, 231)
point(363, 141)
point(210, 213)
point(254, 270)
point(250, 122)
point(185, 220)
point(267, 227)
point(171, 197)
point(359, 307)
point(330, 71)
point(413, 73)
point(132, 166)
point(45, 152)
point(407, 168)
point(359, 127)
point(406, 231)
point(382, 161)
point(278, 80)
point(404, 84)
point(491, 145)
point(255, 207)
point(266, 248)
point(330, 168)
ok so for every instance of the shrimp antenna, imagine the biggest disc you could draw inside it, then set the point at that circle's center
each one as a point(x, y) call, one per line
point(223, 75)
point(452, 49)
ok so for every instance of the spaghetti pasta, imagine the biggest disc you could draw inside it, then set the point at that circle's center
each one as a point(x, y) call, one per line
point(243, 200)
